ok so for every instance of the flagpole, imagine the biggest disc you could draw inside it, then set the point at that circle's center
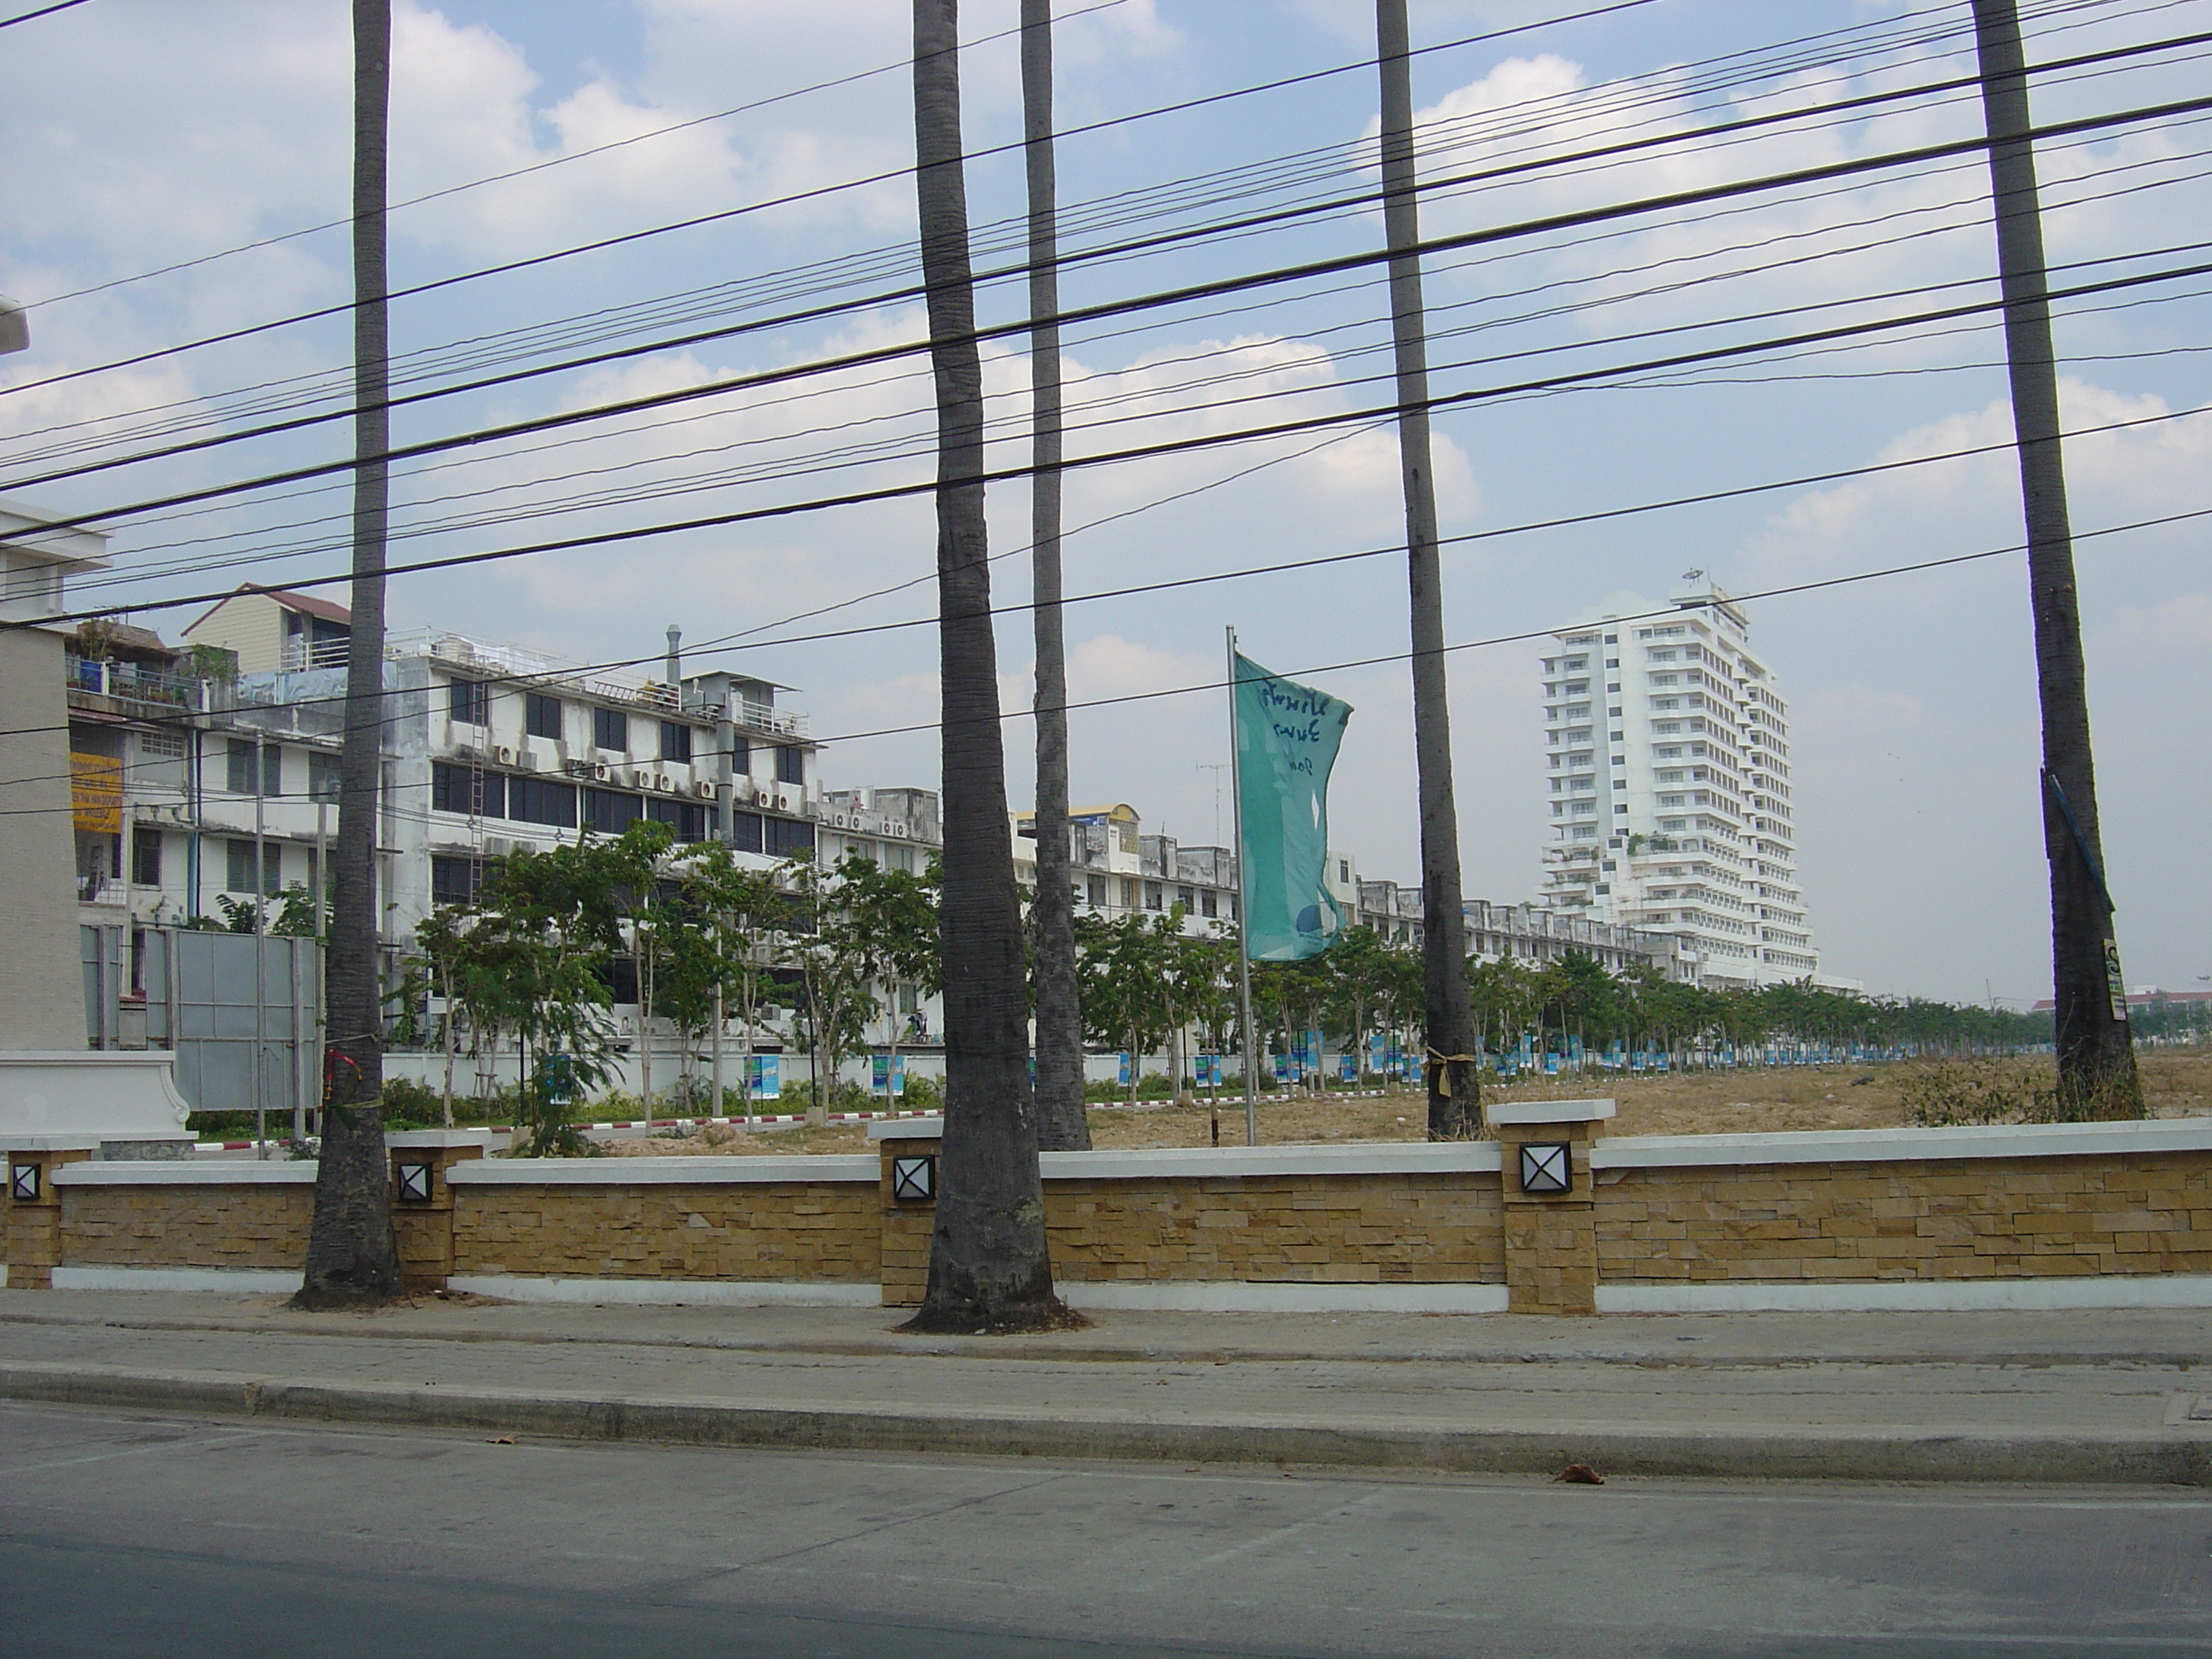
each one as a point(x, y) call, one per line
point(1244, 913)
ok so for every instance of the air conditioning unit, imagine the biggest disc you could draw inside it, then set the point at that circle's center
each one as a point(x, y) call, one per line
point(502, 756)
point(704, 790)
point(527, 759)
point(599, 771)
point(660, 781)
point(497, 847)
point(763, 798)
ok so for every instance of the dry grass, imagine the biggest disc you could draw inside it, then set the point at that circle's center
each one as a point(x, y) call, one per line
point(2176, 1083)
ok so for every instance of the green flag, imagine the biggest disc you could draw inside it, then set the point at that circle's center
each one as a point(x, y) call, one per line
point(1286, 739)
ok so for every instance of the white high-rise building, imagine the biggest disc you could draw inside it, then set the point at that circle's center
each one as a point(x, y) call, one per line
point(1667, 747)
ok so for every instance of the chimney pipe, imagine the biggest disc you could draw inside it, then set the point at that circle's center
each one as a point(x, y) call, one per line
point(675, 656)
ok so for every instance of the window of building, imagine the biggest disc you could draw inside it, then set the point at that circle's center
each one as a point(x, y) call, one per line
point(610, 729)
point(238, 771)
point(675, 741)
point(468, 702)
point(790, 764)
point(1206, 903)
point(1098, 892)
point(454, 880)
point(741, 757)
point(787, 837)
point(1155, 898)
point(539, 800)
point(239, 877)
point(162, 745)
point(609, 811)
point(146, 857)
point(688, 820)
point(541, 715)
point(472, 794)
point(1344, 871)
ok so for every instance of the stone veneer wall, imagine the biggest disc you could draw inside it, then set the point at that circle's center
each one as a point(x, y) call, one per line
point(2053, 1215)
point(671, 1220)
point(1372, 1229)
point(259, 1223)
point(1910, 1219)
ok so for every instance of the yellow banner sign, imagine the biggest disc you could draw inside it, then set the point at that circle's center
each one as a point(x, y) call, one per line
point(96, 794)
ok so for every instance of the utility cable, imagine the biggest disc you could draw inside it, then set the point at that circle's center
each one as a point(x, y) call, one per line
point(1388, 658)
point(1429, 187)
point(1083, 314)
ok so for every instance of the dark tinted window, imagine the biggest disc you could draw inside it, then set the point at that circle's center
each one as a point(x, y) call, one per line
point(610, 729)
point(535, 801)
point(541, 714)
point(456, 789)
point(469, 701)
point(146, 856)
point(452, 881)
point(790, 765)
point(675, 741)
point(688, 820)
point(609, 811)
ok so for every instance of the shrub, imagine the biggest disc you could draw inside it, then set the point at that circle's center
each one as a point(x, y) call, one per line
point(1946, 1095)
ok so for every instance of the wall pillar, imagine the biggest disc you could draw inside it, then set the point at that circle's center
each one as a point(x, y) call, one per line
point(909, 1213)
point(34, 1207)
point(423, 1200)
point(1551, 1230)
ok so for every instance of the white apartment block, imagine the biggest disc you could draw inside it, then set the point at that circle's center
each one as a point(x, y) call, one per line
point(1668, 751)
point(200, 779)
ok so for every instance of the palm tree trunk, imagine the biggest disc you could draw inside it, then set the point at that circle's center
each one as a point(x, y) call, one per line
point(988, 1267)
point(2096, 1053)
point(1454, 1109)
point(1062, 1123)
point(353, 1260)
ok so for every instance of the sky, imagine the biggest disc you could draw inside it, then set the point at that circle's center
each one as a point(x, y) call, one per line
point(157, 160)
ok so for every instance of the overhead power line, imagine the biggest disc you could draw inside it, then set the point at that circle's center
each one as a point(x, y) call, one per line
point(480, 352)
point(791, 200)
point(1382, 660)
point(1746, 123)
point(1176, 446)
point(43, 11)
point(1083, 314)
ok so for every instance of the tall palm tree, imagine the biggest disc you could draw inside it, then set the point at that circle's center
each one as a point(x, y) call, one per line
point(1063, 1125)
point(352, 1258)
point(2096, 1051)
point(988, 1269)
point(1449, 1022)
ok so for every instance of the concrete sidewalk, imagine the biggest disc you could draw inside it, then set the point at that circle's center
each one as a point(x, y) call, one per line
point(2107, 1396)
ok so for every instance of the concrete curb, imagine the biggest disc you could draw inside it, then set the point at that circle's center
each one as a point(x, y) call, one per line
point(1073, 1350)
point(2148, 1457)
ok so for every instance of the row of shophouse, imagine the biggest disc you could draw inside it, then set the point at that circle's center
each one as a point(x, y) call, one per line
point(206, 780)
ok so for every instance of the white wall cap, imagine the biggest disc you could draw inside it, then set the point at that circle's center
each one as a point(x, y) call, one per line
point(906, 1128)
point(1204, 1162)
point(2182, 1134)
point(1548, 1111)
point(50, 1143)
point(407, 1138)
point(674, 1171)
point(176, 1172)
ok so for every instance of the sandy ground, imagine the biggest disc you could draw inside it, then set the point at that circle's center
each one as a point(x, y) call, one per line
point(2177, 1083)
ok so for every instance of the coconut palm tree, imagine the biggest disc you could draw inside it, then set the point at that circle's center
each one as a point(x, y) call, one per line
point(353, 1260)
point(988, 1264)
point(1063, 1125)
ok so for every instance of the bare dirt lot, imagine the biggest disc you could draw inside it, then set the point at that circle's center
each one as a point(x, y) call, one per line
point(2177, 1083)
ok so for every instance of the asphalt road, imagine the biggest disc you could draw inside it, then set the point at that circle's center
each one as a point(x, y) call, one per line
point(143, 1536)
